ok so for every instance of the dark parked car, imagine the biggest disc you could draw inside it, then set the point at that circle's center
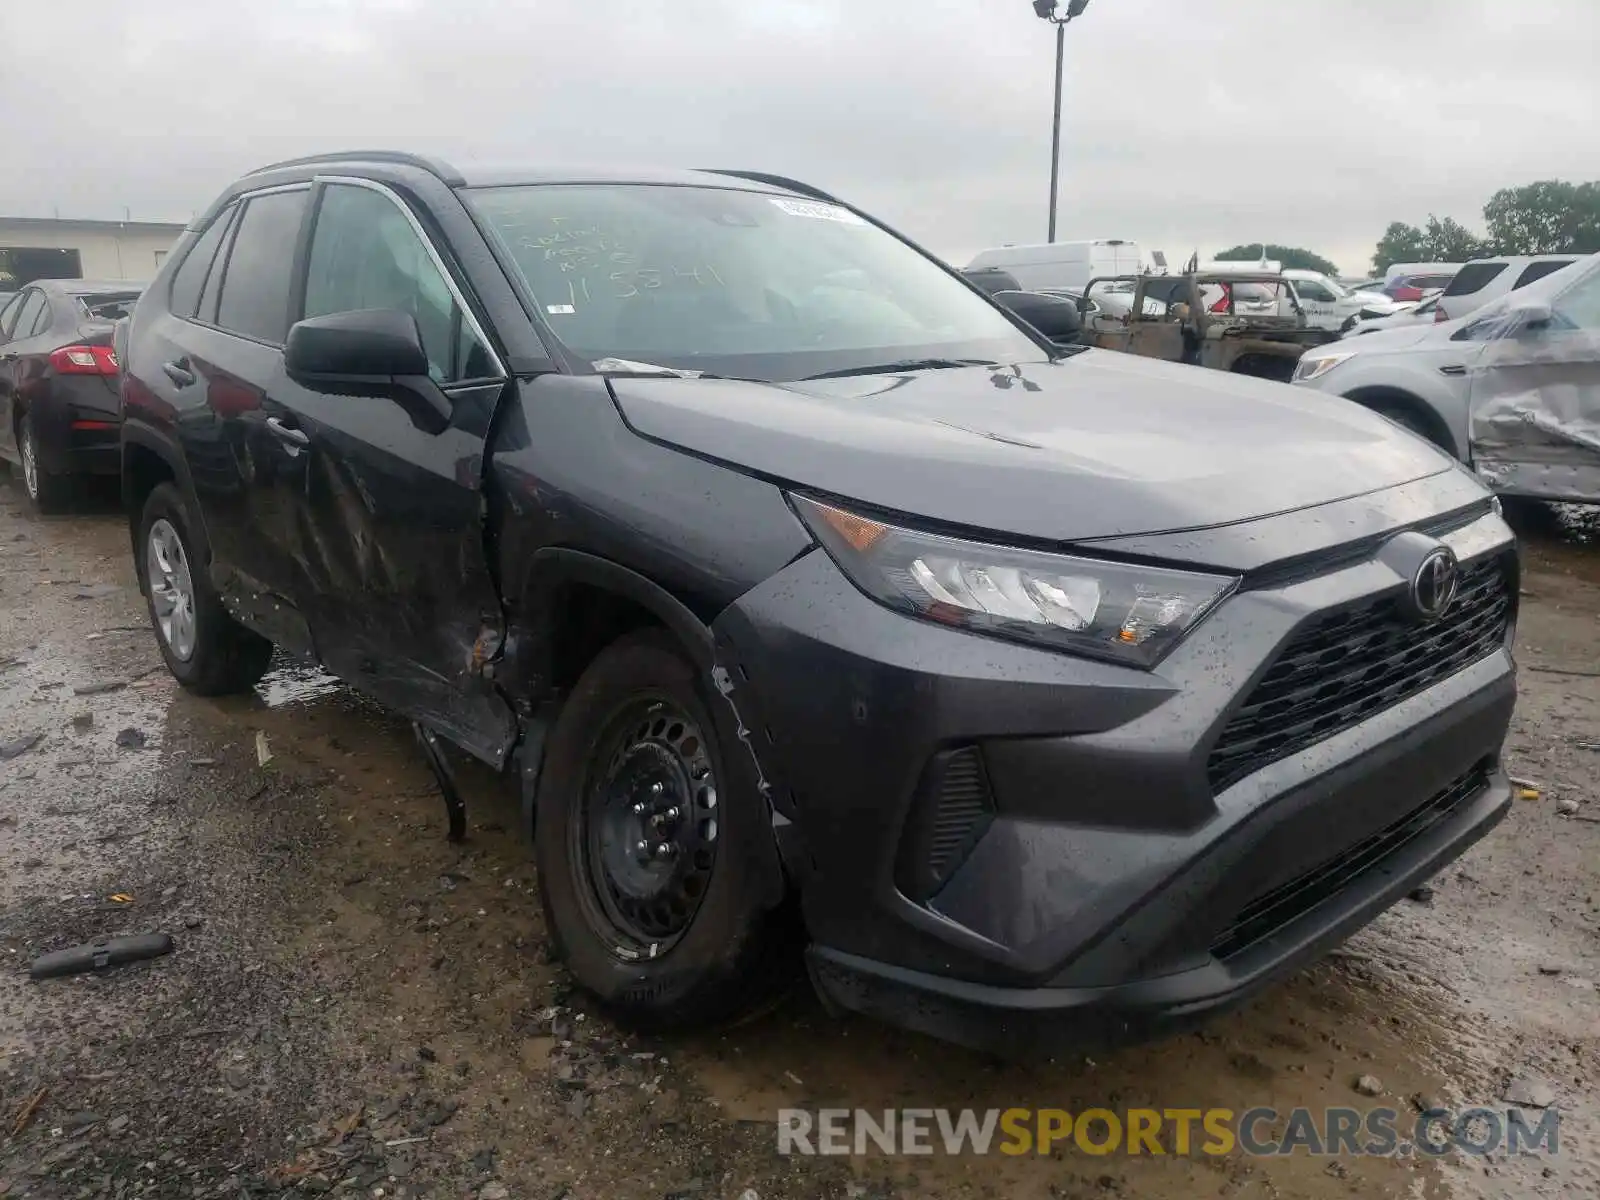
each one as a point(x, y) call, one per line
point(1056, 317)
point(992, 280)
point(1414, 288)
point(805, 589)
point(58, 383)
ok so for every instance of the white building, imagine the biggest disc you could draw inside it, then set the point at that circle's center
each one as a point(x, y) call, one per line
point(44, 248)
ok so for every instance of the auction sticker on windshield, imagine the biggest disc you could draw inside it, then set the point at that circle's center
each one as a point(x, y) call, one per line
point(821, 212)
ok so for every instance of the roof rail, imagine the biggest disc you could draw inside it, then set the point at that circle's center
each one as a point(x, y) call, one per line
point(434, 166)
point(782, 181)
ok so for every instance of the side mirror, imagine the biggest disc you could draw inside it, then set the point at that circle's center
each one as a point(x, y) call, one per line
point(367, 345)
point(1054, 316)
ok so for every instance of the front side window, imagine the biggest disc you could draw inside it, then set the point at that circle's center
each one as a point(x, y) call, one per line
point(255, 282)
point(8, 316)
point(736, 282)
point(1310, 289)
point(365, 253)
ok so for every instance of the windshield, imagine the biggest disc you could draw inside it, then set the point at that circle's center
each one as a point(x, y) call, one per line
point(735, 282)
point(108, 306)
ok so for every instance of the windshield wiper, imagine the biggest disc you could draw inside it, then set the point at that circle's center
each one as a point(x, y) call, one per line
point(905, 364)
point(627, 368)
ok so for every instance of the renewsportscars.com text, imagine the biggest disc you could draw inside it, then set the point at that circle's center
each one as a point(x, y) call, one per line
point(1374, 1132)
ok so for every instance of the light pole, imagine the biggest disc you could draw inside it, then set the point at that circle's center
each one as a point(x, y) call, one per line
point(1053, 12)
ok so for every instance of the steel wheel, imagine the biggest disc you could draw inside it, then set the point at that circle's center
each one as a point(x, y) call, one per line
point(646, 837)
point(171, 589)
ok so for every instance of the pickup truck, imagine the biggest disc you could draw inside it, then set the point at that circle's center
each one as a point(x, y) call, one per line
point(1041, 695)
point(1240, 320)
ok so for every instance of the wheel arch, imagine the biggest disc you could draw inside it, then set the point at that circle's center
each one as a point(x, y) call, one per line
point(149, 459)
point(1386, 397)
point(572, 604)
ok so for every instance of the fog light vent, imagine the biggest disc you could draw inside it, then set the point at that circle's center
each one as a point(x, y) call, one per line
point(953, 809)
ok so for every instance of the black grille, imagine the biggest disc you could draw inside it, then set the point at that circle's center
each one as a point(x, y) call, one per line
point(1273, 910)
point(962, 812)
point(1345, 665)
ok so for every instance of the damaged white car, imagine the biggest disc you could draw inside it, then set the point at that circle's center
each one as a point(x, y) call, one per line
point(1512, 389)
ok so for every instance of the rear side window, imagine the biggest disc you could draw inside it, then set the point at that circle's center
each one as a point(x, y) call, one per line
point(42, 321)
point(1474, 277)
point(1429, 283)
point(191, 276)
point(1537, 270)
point(255, 283)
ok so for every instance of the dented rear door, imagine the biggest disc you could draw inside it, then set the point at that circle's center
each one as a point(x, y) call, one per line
point(1535, 425)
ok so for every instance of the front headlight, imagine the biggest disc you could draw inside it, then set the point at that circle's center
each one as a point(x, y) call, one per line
point(1128, 614)
point(1308, 368)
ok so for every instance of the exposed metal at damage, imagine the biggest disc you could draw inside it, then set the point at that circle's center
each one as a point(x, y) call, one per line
point(1535, 425)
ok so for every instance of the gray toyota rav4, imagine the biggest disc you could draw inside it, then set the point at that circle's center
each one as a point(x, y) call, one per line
point(1043, 694)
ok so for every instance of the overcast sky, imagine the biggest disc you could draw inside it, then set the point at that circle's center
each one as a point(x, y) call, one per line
point(1189, 123)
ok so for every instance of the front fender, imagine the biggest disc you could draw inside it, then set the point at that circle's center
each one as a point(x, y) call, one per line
point(1446, 396)
point(528, 648)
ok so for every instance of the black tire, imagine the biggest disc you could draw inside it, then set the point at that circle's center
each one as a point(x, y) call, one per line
point(47, 492)
point(226, 657)
point(736, 951)
point(1407, 419)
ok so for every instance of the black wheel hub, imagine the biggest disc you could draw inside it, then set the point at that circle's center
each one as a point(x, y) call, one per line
point(650, 818)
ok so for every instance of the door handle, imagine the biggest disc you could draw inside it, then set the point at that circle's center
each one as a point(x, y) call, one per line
point(288, 433)
point(178, 372)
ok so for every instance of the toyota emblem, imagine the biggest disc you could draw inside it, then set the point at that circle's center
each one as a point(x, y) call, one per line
point(1433, 587)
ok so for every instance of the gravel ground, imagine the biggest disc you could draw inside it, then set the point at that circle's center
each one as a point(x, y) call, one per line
point(356, 1007)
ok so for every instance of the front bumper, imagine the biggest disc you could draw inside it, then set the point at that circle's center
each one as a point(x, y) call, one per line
point(1088, 883)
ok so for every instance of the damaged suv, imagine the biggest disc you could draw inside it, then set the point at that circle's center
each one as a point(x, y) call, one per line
point(1047, 694)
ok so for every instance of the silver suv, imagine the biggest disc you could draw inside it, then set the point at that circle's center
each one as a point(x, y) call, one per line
point(1512, 389)
point(1485, 279)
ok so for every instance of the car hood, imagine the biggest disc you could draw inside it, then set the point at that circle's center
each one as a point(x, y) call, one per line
point(1097, 445)
point(1374, 300)
point(1381, 341)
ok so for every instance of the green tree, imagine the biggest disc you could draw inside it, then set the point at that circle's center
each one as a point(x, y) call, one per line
point(1292, 257)
point(1399, 243)
point(1450, 241)
point(1444, 240)
point(1551, 216)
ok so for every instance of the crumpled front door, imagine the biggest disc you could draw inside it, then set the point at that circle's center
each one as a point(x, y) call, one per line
point(1535, 420)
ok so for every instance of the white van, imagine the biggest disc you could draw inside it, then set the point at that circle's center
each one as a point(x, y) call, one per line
point(1242, 264)
point(1062, 265)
